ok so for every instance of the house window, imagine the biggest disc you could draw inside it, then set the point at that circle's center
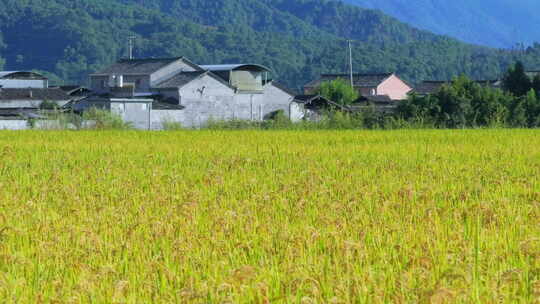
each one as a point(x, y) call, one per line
point(137, 83)
point(103, 83)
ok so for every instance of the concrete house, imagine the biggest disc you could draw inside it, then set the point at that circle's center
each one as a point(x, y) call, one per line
point(139, 75)
point(17, 105)
point(137, 111)
point(384, 84)
point(198, 94)
point(23, 79)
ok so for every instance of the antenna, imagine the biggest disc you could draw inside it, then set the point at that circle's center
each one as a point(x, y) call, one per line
point(351, 63)
point(131, 39)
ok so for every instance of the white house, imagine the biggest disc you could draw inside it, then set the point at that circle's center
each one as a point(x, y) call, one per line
point(201, 93)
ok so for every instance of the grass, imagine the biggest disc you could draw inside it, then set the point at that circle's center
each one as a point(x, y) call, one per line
point(280, 217)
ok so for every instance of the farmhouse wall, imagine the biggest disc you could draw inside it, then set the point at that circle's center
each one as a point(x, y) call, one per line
point(99, 84)
point(276, 99)
point(14, 125)
point(135, 113)
point(160, 117)
point(23, 83)
point(395, 88)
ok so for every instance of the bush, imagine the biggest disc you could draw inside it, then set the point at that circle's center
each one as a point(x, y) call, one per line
point(104, 120)
point(170, 125)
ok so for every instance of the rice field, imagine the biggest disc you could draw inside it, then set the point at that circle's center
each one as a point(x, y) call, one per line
point(270, 217)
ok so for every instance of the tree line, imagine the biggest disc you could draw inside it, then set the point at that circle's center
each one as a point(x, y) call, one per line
point(464, 103)
point(298, 39)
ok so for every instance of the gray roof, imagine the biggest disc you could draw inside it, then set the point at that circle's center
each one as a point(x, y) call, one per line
point(360, 80)
point(141, 66)
point(377, 99)
point(232, 67)
point(180, 79)
point(282, 87)
point(316, 101)
point(52, 94)
point(21, 74)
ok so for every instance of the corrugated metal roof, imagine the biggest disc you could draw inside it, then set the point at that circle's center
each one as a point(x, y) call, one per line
point(232, 67)
point(4, 74)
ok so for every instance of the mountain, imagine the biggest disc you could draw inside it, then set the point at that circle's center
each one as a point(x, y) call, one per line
point(298, 39)
point(496, 23)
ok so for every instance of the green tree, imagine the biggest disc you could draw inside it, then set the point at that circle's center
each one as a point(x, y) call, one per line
point(339, 91)
point(536, 84)
point(532, 107)
point(516, 80)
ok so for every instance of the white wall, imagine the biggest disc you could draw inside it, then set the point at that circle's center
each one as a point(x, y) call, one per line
point(23, 83)
point(159, 117)
point(14, 125)
point(277, 99)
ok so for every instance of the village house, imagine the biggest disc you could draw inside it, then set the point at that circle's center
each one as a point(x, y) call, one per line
point(25, 95)
point(17, 105)
point(200, 93)
point(368, 85)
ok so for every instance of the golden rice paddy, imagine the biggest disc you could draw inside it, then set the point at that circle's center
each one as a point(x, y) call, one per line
point(270, 217)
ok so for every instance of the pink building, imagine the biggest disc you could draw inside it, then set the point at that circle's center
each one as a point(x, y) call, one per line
point(384, 84)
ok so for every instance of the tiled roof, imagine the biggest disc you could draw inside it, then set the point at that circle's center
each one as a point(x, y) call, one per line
point(359, 80)
point(51, 94)
point(315, 101)
point(306, 98)
point(180, 79)
point(377, 99)
point(139, 66)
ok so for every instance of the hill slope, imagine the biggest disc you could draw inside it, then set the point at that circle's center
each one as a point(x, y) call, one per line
point(297, 38)
point(497, 23)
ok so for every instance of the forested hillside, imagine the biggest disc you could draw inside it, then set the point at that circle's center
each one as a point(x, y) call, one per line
point(497, 23)
point(297, 38)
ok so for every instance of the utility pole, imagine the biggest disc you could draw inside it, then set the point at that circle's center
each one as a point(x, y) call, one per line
point(351, 63)
point(131, 39)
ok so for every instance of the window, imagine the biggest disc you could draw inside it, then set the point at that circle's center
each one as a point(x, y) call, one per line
point(137, 83)
point(103, 83)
